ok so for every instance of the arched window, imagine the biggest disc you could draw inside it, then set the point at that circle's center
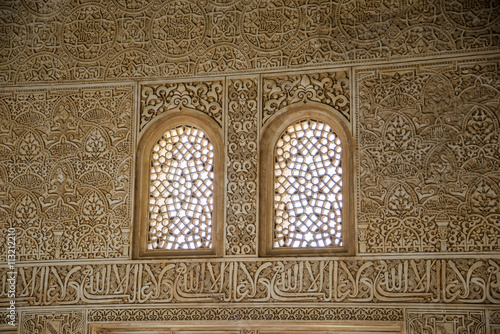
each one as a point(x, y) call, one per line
point(179, 187)
point(306, 187)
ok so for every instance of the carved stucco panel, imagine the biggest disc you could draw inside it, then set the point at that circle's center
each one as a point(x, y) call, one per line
point(61, 41)
point(429, 168)
point(65, 158)
point(329, 88)
point(203, 96)
point(445, 322)
point(242, 150)
point(457, 281)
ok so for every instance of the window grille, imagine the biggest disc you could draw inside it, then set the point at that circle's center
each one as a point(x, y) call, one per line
point(181, 190)
point(308, 186)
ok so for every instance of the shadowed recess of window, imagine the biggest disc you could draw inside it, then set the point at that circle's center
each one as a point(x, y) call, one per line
point(307, 186)
point(181, 190)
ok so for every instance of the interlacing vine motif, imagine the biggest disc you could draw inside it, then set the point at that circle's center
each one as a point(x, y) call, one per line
point(203, 96)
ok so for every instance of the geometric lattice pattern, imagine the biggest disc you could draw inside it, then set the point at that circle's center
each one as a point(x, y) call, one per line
point(308, 187)
point(181, 190)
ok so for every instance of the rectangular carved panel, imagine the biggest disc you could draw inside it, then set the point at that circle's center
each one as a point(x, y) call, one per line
point(329, 88)
point(242, 149)
point(65, 176)
point(428, 139)
point(275, 281)
point(203, 96)
point(445, 322)
point(53, 322)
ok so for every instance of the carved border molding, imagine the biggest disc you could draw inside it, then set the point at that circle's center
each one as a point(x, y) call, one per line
point(248, 313)
point(447, 281)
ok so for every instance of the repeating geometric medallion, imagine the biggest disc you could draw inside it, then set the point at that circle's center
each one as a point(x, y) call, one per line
point(270, 25)
point(89, 31)
point(178, 28)
point(366, 21)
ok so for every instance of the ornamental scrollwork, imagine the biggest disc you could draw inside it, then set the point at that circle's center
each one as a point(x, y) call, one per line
point(329, 88)
point(203, 96)
point(242, 168)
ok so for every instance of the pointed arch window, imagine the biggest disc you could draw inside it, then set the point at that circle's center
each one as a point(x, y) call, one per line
point(179, 189)
point(306, 189)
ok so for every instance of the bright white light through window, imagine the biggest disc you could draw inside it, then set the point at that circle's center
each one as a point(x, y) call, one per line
point(181, 190)
point(308, 187)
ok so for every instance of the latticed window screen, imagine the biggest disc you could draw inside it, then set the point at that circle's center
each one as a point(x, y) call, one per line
point(307, 187)
point(181, 190)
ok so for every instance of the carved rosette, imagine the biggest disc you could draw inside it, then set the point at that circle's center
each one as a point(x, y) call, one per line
point(89, 32)
point(242, 149)
point(178, 27)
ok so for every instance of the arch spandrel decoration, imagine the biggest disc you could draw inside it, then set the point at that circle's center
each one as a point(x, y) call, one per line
point(306, 168)
point(178, 149)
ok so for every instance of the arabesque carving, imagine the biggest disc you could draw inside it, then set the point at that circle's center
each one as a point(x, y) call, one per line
point(429, 158)
point(446, 281)
point(204, 96)
point(329, 88)
point(241, 218)
point(65, 167)
point(96, 40)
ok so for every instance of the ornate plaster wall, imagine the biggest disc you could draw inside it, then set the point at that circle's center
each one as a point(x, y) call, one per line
point(418, 82)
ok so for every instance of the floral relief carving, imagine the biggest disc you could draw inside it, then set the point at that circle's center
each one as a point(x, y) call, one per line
point(444, 322)
point(429, 162)
point(446, 281)
point(93, 40)
point(330, 88)
point(242, 168)
point(65, 172)
point(203, 96)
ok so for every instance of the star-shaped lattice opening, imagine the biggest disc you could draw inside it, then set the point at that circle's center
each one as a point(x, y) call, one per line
point(308, 187)
point(181, 190)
